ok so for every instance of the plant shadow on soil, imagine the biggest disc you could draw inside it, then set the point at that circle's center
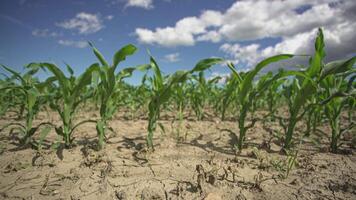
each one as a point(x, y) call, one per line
point(124, 170)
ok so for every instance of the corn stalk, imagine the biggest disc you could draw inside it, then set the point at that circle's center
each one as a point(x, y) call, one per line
point(108, 90)
point(31, 98)
point(161, 90)
point(67, 96)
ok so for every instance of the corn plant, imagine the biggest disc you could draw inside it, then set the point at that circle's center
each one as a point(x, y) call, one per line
point(337, 92)
point(180, 96)
point(10, 99)
point(161, 90)
point(215, 92)
point(313, 117)
point(308, 85)
point(109, 87)
point(273, 95)
point(247, 93)
point(229, 93)
point(67, 96)
point(133, 98)
point(201, 93)
point(28, 90)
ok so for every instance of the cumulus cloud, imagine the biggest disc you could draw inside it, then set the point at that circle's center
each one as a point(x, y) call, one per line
point(239, 53)
point(174, 57)
point(183, 33)
point(72, 43)
point(276, 18)
point(241, 29)
point(44, 33)
point(212, 36)
point(83, 23)
point(339, 43)
point(146, 4)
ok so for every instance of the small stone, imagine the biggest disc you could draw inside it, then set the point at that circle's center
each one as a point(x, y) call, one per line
point(294, 182)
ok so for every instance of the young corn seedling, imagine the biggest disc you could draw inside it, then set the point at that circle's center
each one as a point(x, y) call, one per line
point(180, 93)
point(201, 93)
point(67, 96)
point(161, 90)
point(247, 93)
point(28, 90)
point(313, 117)
point(272, 97)
point(109, 86)
point(308, 86)
point(11, 100)
point(229, 93)
point(336, 93)
point(215, 92)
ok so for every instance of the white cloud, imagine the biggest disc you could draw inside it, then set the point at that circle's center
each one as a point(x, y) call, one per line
point(278, 18)
point(293, 22)
point(83, 23)
point(165, 37)
point(72, 43)
point(245, 54)
point(109, 17)
point(146, 4)
point(174, 57)
point(268, 19)
point(44, 33)
point(183, 33)
point(339, 40)
point(211, 36)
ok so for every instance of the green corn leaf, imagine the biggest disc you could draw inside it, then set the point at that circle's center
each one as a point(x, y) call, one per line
point(143, 67)
point(206, 63)
point(214, 80)
point(177, 77)
point(247, 81)
point(99, 55)
point(127, 72)
point(103, 77)
point(32, 71)
point(69, 69)
point(95, 78)
point(111, 79)
point(32, 95)
point(316, 61)
point(14, 73)
point(122, 54)
point(158, 80)
point(299, 74)
point(41, 86)
point(234, 71)
point(337, 67)
point(85, 79)
point(62, 79)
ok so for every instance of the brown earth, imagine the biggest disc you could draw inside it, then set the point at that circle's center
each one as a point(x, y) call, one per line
point(200, 163)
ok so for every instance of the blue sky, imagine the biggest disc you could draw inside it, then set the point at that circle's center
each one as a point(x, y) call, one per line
point(177, 32)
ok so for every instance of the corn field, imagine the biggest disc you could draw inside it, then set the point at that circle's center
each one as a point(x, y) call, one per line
point(302, 113)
